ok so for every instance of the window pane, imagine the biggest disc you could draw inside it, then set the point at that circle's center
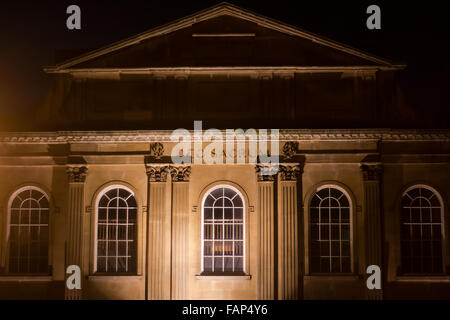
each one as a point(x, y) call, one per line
point(207, 248)
point(325, 249)
point(131, 202)
point(238, 248)
point(324, 215)
point(229, 193)
point(218, 264)
point(207, 264)
point(122, 248)
point(346, 266)
point(335, 249)
point(111, 264)
point(237, 202)
point(218, 246)
point(227, 203)
point(228, 213)
point(101, 248)
point(228, 231)
point(101, 264)
point(314, 215)
point(208, 213)
point(208, 231)
point(335, 232)
point(238, 214)
point(325, 265)
point(209, 201)
point(228, 264)
point(238, 264)
point(228, 248)
point(218, 213)
point(335, 265)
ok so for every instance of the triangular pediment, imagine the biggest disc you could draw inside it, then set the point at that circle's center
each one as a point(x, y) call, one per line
point(223, 36)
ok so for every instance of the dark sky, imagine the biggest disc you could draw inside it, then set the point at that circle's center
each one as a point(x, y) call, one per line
point(32, 31)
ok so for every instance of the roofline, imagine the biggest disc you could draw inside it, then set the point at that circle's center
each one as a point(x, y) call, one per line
point(223, 8)
point(228, 70)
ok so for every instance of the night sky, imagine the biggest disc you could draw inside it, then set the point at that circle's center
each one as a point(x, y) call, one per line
point(34, 33)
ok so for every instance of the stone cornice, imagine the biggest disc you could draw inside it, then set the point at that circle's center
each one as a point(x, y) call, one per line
point(366, 72)
point(164, 136)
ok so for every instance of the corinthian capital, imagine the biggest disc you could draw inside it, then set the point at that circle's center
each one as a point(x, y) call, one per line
point(180, 173)
point(290, 172)
point(266, 172)
point(77, 174)
point(372, 172)
point(157, 173)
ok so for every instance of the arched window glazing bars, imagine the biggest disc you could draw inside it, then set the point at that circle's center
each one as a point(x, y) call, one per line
point(421, 231)
point(223, 244)
point(330, 231)
point(117, 231)
point(28, 231)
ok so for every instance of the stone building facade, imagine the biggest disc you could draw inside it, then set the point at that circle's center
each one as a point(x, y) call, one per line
point(95, 185)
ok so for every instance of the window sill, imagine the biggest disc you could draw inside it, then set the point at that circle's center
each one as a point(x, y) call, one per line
point(223, 277)
point(343, 277)
point(422, 279)
point(114, 277)
point(26, 278)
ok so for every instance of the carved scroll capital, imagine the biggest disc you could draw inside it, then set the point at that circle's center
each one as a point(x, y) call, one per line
point(266, 172)
point(77, 174)
point(290, 172)
point(372, 172)
point(180, 173)
point(156, 173)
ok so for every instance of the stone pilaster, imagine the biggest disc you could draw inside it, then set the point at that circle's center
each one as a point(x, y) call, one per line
point(180, 231)
point(289, 278)
point(158, 250)
point(266, 234)
point(74, 225)
point(371, 174)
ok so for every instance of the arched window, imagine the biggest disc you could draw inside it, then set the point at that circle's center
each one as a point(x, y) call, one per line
point(330, 231)
point(117, 231)
point(28, 231)
point(421, 231)
point(223, 231)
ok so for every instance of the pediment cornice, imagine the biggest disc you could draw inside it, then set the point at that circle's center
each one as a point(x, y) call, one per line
point(213, 12)
point(285, 135)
